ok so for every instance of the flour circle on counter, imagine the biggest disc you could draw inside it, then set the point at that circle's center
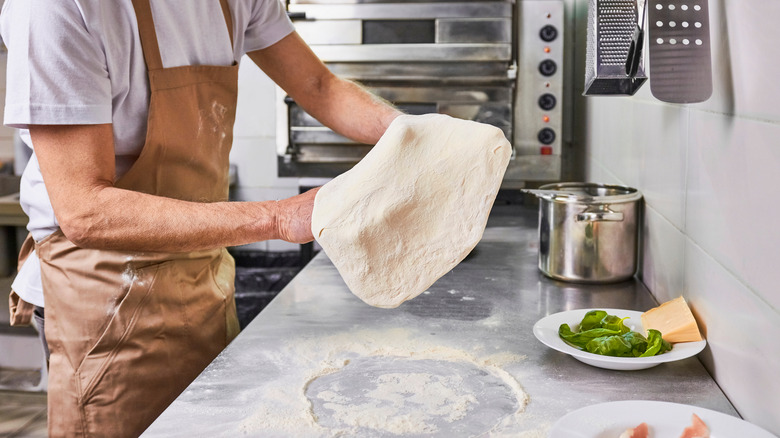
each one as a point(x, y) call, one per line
point(381, 395)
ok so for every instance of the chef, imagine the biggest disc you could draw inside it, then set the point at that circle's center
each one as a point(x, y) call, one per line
point(129, 107)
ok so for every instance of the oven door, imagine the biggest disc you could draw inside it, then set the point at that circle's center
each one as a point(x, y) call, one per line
point(314, 150)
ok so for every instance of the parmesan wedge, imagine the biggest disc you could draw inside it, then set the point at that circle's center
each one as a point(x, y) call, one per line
point(674, 320)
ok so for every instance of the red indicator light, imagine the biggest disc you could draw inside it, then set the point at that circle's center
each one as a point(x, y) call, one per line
point(546, 50)
point(546, 150)
point(546, 119)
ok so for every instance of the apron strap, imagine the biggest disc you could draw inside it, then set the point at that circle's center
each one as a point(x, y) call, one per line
point(228, 20)
point(149, 43)
point(143, 14)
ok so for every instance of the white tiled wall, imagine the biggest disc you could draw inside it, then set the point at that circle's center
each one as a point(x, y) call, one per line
point(6, 134)
point(254, 146)
point(710, 174)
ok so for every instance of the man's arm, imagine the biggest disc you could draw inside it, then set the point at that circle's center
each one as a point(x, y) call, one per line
point(339, 104)
point(77, 163)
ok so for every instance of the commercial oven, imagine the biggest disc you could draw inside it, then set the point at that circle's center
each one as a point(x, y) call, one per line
point(497, 62)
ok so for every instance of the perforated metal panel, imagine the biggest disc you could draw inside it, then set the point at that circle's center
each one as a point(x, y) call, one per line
point(611, 25)
point(615, 24)
point(679, 45)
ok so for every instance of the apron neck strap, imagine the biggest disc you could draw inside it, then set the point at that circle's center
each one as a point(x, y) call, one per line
point(149, 43)
point(228, 19)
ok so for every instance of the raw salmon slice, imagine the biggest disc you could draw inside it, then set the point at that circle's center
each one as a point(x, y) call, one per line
point(637, 432)
point(697, 429)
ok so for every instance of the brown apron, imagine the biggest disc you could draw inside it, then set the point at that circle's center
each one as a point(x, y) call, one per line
point(128, 331)
point(21, 311)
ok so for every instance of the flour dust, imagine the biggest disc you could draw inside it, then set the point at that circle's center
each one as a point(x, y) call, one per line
point(374, 383)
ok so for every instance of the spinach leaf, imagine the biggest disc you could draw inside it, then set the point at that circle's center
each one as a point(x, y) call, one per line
point(656, 344)
point(609, 346)
point(592, 319)
point(612, 322)
point(581, 339)
point(601, 333)
point(637, 341)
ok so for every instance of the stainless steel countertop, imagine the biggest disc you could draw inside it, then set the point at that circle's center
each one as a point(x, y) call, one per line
point(485, 308)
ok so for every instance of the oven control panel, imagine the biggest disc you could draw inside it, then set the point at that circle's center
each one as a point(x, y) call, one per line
point(538, 103)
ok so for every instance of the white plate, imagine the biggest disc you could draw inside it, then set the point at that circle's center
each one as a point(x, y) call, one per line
point(546, 330)
point(609, 420)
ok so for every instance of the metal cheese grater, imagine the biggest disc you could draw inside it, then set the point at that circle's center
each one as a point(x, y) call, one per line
point(611, 25)
point(679, 46)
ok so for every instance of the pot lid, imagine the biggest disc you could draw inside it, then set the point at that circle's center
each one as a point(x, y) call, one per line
point(587, 193)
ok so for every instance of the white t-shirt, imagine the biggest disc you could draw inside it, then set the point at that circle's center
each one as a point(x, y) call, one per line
point(80, 62)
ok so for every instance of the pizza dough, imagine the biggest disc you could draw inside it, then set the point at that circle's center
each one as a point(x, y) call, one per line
point(413, 208)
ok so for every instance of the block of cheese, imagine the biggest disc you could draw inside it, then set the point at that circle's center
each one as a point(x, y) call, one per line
point(674, 320)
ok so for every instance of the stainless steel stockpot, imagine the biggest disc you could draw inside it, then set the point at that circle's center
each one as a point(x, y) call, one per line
point(588, 232)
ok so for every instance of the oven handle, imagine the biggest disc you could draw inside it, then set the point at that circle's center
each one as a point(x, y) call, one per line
point(296, 15)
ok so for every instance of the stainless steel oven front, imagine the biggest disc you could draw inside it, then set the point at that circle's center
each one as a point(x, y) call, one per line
point(497, 62)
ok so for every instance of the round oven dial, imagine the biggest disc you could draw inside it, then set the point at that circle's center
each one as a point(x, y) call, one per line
point(547, 101)
point(548, 33)
point(548, 67)
point(546, 136)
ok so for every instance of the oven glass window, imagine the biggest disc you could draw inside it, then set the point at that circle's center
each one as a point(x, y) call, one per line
point(399, 31)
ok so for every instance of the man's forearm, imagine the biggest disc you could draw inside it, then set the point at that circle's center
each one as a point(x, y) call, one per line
point(155, 223)
point(352, 111)
point(77, 165)
point(341, 105)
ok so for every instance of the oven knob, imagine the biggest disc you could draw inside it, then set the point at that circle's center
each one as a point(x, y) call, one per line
point(547, 101)
point(546, 136)
point(548, 33)
point(548, 67)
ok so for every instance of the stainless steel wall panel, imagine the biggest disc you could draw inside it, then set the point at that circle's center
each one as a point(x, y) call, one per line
point(414, 52)
point(496, 114)
point(470, 30)
point(401, 2)
point(316, 136)
point(330, 31)
point(422, 72)
point(390, 11)
point(451, 95)
point(300, 118)
point(533, 168)
point(532, 84)
point(331, 153)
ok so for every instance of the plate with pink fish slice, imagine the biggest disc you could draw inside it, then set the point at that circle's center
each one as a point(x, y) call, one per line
point(663, 419)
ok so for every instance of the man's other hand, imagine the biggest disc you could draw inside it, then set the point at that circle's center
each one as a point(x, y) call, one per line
point(293, 217)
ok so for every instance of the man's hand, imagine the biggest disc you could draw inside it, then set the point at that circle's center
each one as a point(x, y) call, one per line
point(293, 217)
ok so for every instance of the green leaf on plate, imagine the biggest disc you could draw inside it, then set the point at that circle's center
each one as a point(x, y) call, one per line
point(607, 335)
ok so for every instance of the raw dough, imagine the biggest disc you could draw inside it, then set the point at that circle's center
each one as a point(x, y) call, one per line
point(413, 208)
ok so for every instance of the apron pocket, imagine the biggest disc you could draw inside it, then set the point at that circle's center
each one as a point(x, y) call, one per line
point(92, 369)
point(224, 278)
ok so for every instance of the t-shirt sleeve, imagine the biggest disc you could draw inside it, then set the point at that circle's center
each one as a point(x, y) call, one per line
point(56, 72)
point(268, 24)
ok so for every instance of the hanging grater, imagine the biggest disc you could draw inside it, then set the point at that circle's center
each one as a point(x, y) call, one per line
point(611, 25)
point(679, 46)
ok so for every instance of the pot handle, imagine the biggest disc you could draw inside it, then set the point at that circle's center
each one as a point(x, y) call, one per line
point(603, 214)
